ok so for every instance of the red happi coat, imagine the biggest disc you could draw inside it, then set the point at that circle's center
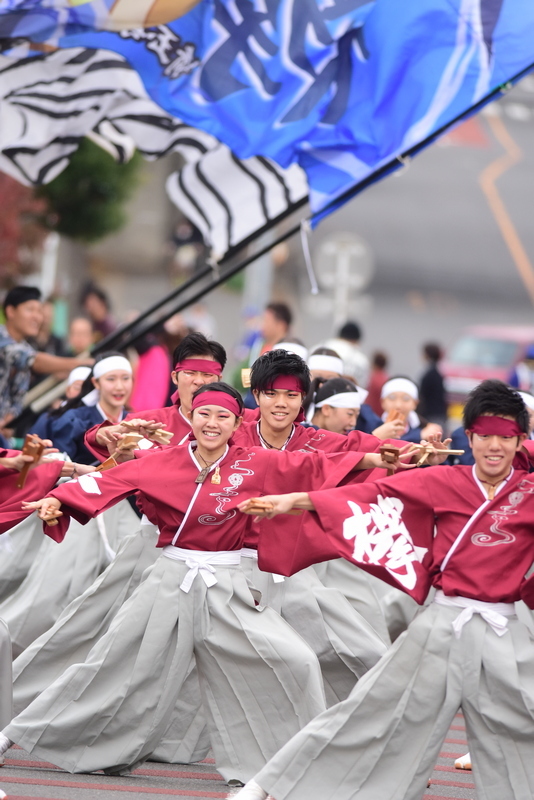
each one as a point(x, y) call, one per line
point(172, 417)
point(39, 481)
point(190, 515)
point(311, 440)
point(426, 527)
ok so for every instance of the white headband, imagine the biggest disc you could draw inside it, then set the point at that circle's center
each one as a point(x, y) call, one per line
point(78, 374)
point(345, 399)
point(527, 399)
point(403, 385)
point(326, 363)
point(92, 398)
point(290, 347)
point(110, 364)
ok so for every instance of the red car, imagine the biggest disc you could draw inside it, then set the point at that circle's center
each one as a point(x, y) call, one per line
point(483, 351)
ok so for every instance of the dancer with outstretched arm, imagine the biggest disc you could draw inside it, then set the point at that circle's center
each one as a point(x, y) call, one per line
point(260, 682)
point(466, 649)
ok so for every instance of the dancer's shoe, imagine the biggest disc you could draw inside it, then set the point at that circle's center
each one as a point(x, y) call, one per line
point(464, 762)
point(250, 791)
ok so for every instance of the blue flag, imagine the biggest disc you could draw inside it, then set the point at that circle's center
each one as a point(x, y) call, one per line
point(47, 21)
point(342, 87)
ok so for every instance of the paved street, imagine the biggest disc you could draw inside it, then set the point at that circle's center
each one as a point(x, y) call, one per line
point(23, 777)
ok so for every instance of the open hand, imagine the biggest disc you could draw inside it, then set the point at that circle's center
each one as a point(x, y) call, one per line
point(440, 452)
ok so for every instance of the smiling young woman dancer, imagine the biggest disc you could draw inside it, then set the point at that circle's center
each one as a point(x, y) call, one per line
point(260, 682)
point(104, 395)
point(89, 616)
point(468, 532)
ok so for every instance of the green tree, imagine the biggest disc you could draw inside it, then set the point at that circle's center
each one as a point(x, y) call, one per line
point(86, 201)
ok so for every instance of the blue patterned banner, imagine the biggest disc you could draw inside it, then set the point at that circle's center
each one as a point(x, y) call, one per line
point(340, 86)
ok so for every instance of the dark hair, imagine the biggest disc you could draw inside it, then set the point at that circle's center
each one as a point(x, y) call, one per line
point(332, 387)
point(92, 288)
point(433, 352)
point(21, 294)
point(225, 388)
point(196, 344)
point(281, 312)
point(87, 386)
point(350, 331)
point(147, 342)
point(380, 360)
point(321, 389)
point(495, 398)
point(270, 366)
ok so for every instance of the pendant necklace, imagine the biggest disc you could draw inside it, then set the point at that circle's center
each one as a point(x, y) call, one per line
point(270, 446)
point(202, 475)
point(491, 489)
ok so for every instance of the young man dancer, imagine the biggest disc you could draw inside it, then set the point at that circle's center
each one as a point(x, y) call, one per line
point(280, 382)
point(467, 648)
point(346, 640)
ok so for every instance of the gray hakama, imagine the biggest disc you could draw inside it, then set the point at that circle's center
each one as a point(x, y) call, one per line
point(62, 572)
point(186, 739)
point(85, 621)
point(398, 609)
point(259, 687)
point(267, 588)
point(359, 588)
point(6, 681)
point(18, 549)
point(120, 521)
point(344, 642)
point(383, 741)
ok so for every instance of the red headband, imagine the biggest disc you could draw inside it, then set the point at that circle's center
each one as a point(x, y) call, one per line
point(287, 383)
point(495, 426)
point(199, 365)
point(220, 399)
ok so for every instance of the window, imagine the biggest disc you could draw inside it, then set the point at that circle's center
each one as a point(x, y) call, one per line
point(471, 351)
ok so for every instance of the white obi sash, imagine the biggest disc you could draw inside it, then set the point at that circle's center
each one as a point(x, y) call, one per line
point(495, 614)
point(249, 552)
point(203, 562)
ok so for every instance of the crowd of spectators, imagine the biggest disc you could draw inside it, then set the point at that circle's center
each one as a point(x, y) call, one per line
point(31, 348)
